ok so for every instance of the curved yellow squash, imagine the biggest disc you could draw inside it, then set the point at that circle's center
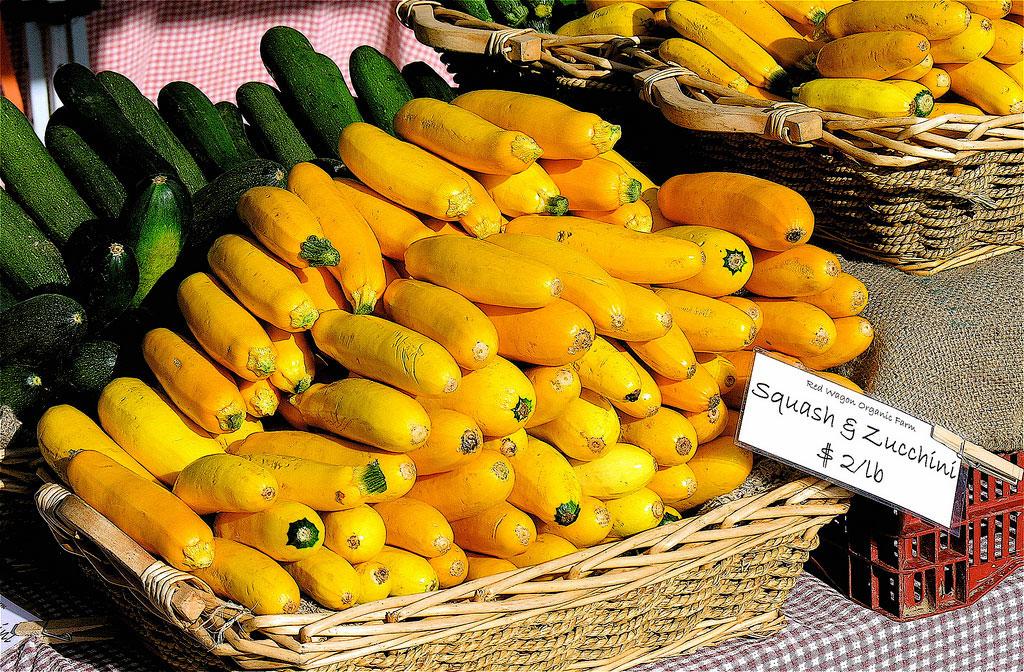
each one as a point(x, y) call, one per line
point(502, 530)
point(321, 485)
point(545, 484)
point(498, 397)
point(287, 531)
point(416, 526)
point(218, 483)
point(483, 481)
point(63, 431)
point(287, 227)
point(667, 435)
point(620, 471)
point(454, 437)
point(250, 578)
point(638, 511)
point(328, 578)
point(585, 430)
point(590, 527)
point(555, 388)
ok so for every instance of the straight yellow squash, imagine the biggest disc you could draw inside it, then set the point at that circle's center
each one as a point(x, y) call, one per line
point(355, 534)
point(696, 394)
point(969, 45)
point(986, 86)
point(591, 526)
point(767, 27)
point(720, 466)
point(709, 325)
point(320, 485)
point(416, 526)
point(703, 62)
point(728, 260)
point(394, 227)
point(483, 481)
point(635, 512)
point(499, 397)
point(620, 471)
point(557, 334)
point(670, 356)
point(853, 337)
point(626, 19)
point(935, 19)
point(555, 388)
point(748, 307)
point(592, 184)
point(63, 431)
point(500, 530)
point(250, 578)
point(1008, 48)
point(667, 435)
point(607, 371)
point(287, 227)
point(218, 483)
point(287, 531)
point(326, 577)
point(875, 55)
point(795, 328)
point(528, 192)
point(801, 271)
point(410, 574)
point(845, 297)
point(647, 315)
point(454, 437)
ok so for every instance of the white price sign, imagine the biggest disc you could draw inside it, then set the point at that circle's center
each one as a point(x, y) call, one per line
point(850, 439)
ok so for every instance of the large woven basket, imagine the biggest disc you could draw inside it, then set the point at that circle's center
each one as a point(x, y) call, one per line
point(922, 194)
point(693, 583)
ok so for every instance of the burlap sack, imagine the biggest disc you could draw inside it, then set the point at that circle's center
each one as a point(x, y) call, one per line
point(949, 348)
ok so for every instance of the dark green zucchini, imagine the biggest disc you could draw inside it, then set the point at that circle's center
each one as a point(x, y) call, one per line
point(379, 84)
point(105, 126)
point(195, 120)
point(477, 8)
point(28, 260)
point(232, 118)
point(426, 83)
point(91, 366)
point(213, 208)
point(321, 103)
point(146, 119)
point(260, 105)
point(157, 221)
point(41, 328)
point(7, 299)
point(509, 12)
point(32, 177)
point(93, 178)
point(104, 271)
point(21, 388)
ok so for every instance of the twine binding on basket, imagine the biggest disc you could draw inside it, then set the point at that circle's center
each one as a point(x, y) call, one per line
point(671, 72)
point(778, 114)
point(403, 9)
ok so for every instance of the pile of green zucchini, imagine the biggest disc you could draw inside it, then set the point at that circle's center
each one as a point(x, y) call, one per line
point(101, 223)
point(541, 15)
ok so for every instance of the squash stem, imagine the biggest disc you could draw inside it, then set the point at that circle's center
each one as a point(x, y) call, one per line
point(230, 417)
point(262, 361)
point(629, 190)
point(319, 251)
point(567, 513)
point(525, 149)
point(605, 136)
point(556, 205)
point(363, 300)
point(303, 315)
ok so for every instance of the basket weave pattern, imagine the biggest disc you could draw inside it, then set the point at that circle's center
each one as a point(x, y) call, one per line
point(663, 592)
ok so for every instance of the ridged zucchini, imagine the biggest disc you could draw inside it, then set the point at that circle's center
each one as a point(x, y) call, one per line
point(213, 207)
point(380, 86)
point(146, 119)
point(21, 388)
point(28, 260)
point(94, 179)
point(232, 118)
point(91, 366)
point(156, 230)
point(197, 122)
point(510, 12)
point(266, 115)
point(40, 328)
point(425, 82)
point(31, 175)
point(103, 269)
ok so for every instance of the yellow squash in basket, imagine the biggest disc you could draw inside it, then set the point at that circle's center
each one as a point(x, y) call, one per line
point(454, 437)
point(63, 431)
point(355, 534)
point(416, 526)
point(590, 527)
point(218, 483)
point(621, 470)
point(934, 20)
point(250, 578)
point(545, 484)
point(451, 568)
point(667, 435)
point(501, 530)
point(287, 531)
point(555, 388)
point(326, 577)
point(633, 513)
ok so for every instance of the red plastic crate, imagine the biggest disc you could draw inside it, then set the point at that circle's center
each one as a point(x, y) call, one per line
point(905, 568)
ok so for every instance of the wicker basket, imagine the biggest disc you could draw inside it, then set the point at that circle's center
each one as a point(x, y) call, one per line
point(922, 194)
point(661, 593)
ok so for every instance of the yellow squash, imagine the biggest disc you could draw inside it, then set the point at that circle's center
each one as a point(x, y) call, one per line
point(671, 355)
point(321, 485)
point(650, 193)
point(287, 227)
point(394, 227)
point(862, 98)
point(287, 531)
point(993, 9)
point(607, 371)
point(355, 534)
point(365, 411)
point(410, 574)
point(545, 483)
point(703, 62)
point(967, 46)
point(634, 216)
point(936, 81)
point(721, 369)
point(728, 261)
point(853, 337)
point(846, 296)
point(647, 315)
point(326, 577)
point(465, 138)
point(696, 394)
point(555, 388)
point(625, 254)
point(1009, 43)
point(720, 467)
point(151, 429)
point(483, 217)
point(942, 109)
point(626, 19)
point(507, 445)
point(63, 431)
point(805, 12)
point(875, 55)
point(261, 398)
point(590, 527)
point(986, 86)
point(761, 212)
point(592, 184)
point(480, 483)
point(261, 283)
point(374, 581)
point(388, 352)
point(709, 325)
point(322, 288)
point(250, 578)
point(557, 334)
point(916, 72)
point(561, 131)
point(795, 328)
point(709, 424)
point(483, 272)
point(586, 429)
point(935, 19)
point(768, 29)
point(226, 330)
point(801, 271)
point(748, 307)
point(638, 511)
point(498, 397)
point(501, 530)
point(453, 438)
point(620, 471)
point(451, 567)
point(250, 425)
point(218, 483)
point(416, 526)
point(547, 547)
point(296, 365)
point(404, 173)
point(483, 565)
point(674, 485)
point(648, 401)
point(160, 522)
point(667, 435)
point(529, 192)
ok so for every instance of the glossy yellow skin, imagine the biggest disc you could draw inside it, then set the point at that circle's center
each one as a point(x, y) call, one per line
point(204, 391)
point(218, 483)
point(622, 470)
point(151, 429)
point(728, 260)
point(592, 184)
point(528, 192)
point(626, 19)
point(674, 484)
point(320, 485)
point(264, 285)
point(500, 530)
point(388, 352)
point(454, 437)
point(607, 371)
point(709, 424)
point(555, 388)
point(924, 101)
point(590, 527)
point(365, 411)
point(287, 227)
point(721, 369)
point(937, 82)
point(647, 315)
point(847, 296)
point(374, 581)
point(918, 71)
point(934, 20)
point(624, 254)
point(634, 216)
point(649, 400)
point(719, 466)
point(986, 86)
point(1008, 48)
point(695, 57)
point(322, 288)
point(709, 325)
point(296, 365)
point(404, 173)
point(547, 547)
point(667, 435)
point(261, 398)
point(507, 445)
point(451, 568)
point(226, 330)
point(853, 337)
point(328, 578)
point(872, 55)
point(970, 45)
point(287, 531)
point(795, 328)
point(670, 356)
point(482, 565)
point(483, 218)
point(557, 334)
point(416, 526)
point(356, 534)
point(474, 487)
point(638, 511)
point(805, 12)
point(699, 393)
point(1014, 70)
point(585, 430)
point(394, 227)
point(858, 97)
point(499, 397)
point(748, 307)
point(768, 29)
point(410, 574)
point(160, 522)
point(250, 578)
point(561, 131)
point(545, 484)
point(446, 317)
point(993, 9)
point(482, 272)
point(464, 138)
point(250, 425)
point(63, 431)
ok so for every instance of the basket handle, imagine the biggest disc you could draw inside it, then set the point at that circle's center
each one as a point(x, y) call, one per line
point(518, 48)
point(660, 87)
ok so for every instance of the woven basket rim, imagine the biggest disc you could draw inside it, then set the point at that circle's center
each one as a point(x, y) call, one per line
point(687, 100)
